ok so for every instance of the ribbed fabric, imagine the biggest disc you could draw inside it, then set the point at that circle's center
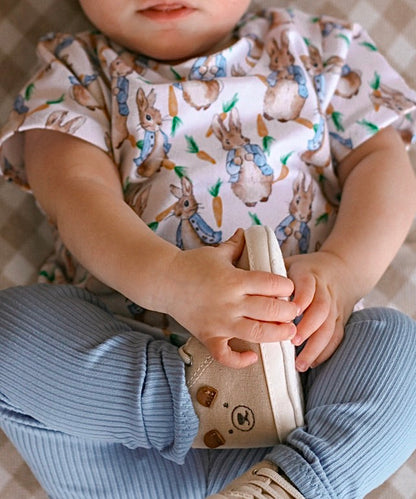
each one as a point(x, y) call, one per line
point(361, 411)
point(99, 411)
point(74, 368)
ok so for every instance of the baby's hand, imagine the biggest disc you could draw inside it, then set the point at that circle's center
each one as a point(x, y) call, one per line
point(216, 301)
point(324, 294)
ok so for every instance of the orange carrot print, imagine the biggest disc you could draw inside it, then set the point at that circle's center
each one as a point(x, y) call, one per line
point(173, 110)
point(226, 108)
point(163, 214)
point(263, 132)
point(285, 169)
point(194, 149)
point(217, 202)
point(375, 85)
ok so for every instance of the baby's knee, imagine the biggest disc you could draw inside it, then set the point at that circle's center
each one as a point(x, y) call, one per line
point(387, 326)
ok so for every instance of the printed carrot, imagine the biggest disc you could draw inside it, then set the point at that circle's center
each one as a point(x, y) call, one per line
point(163, 214)
point(370, 46)
point(45, 105)
point(263, 132)
point(226, 108)
point(41, 107)
point(29, 91)
point(337, 118)
point(180, 171)
point(375, 85)
point(194, 149)
point(255, 220)
point(285, 169)
point(324, 217)
point(371, 127)
point(304, 122)
point(216, 202)
point(263, 79)
point(173, 110)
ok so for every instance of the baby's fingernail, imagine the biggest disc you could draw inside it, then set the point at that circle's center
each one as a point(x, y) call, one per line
point(293, 331)
point(297, 340)
point(301, 366)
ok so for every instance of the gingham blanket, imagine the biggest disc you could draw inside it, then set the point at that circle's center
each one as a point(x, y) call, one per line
point(25, 240)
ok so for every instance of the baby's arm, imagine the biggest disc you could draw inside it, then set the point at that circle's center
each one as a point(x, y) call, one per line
point(79, 188)
point(377, 207)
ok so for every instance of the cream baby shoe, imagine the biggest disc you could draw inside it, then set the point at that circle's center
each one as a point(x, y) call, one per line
point(256, 406)
point(261, 481)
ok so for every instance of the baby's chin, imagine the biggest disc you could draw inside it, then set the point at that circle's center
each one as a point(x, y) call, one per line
point(171, 54)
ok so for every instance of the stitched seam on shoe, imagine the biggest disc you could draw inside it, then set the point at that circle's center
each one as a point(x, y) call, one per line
point(207, 362)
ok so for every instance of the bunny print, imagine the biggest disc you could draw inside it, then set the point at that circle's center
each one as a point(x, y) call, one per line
point(293, 232)
point(119, 97)
point(56, 121)
point(318, 152)
point(203, 86)
point(193, 231)
point(137, 196)
point(392, 99)
point(155, 143)
point(251, 177)
point(287, 91)
point(315, 67)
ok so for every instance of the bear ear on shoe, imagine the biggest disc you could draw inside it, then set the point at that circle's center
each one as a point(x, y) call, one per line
point(257, 406)
point(262, 480)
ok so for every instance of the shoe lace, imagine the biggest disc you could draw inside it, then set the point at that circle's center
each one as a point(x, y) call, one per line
point(265, 481)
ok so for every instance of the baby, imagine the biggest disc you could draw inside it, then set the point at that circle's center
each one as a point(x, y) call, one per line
point(148, 144)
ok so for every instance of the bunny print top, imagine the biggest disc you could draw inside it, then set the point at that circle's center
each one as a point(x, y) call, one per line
point(249, 135)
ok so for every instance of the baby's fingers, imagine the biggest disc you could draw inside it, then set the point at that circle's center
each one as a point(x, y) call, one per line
point(267, 284)
point(263, 332)
point(224, 354)
point(320, 346)
point(269, 309)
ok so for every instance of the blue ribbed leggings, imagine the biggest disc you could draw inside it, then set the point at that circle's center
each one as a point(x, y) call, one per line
point(100, 411)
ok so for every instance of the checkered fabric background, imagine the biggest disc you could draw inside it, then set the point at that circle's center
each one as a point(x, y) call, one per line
point(24, 237)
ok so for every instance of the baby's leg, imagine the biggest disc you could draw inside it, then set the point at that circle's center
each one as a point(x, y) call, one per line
point(360, 413)
point(83, 396)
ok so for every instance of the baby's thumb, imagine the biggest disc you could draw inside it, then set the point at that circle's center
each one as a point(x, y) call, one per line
point(234, 246)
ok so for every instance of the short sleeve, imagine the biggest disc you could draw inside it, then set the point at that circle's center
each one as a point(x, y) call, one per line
point(369, 94)
point(69, 94)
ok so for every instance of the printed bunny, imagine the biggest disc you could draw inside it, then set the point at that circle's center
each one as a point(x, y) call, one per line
point(349, 84)
point(193, 231)
point(256, 49)
point(203, 87)
point(60, 45)
point(280, 17)
point(350, 80)
point(392, 99)
point(155, 143)
point(293, 232)
point(18, 115)
point(329, 24)
point(318, 148)
point(137, 196)
point(82, 91)
point(315, 67)
point(15, 174)
point(287, 91)
point(119, 97)
point(56, 121)
point(251, 177)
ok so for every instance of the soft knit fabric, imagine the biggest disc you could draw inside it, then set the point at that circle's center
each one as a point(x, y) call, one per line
point(100, 411)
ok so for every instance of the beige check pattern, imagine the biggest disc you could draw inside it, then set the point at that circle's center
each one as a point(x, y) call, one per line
point(24, 237)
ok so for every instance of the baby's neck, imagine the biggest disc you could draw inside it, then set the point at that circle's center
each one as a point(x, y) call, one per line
point(223, 44)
